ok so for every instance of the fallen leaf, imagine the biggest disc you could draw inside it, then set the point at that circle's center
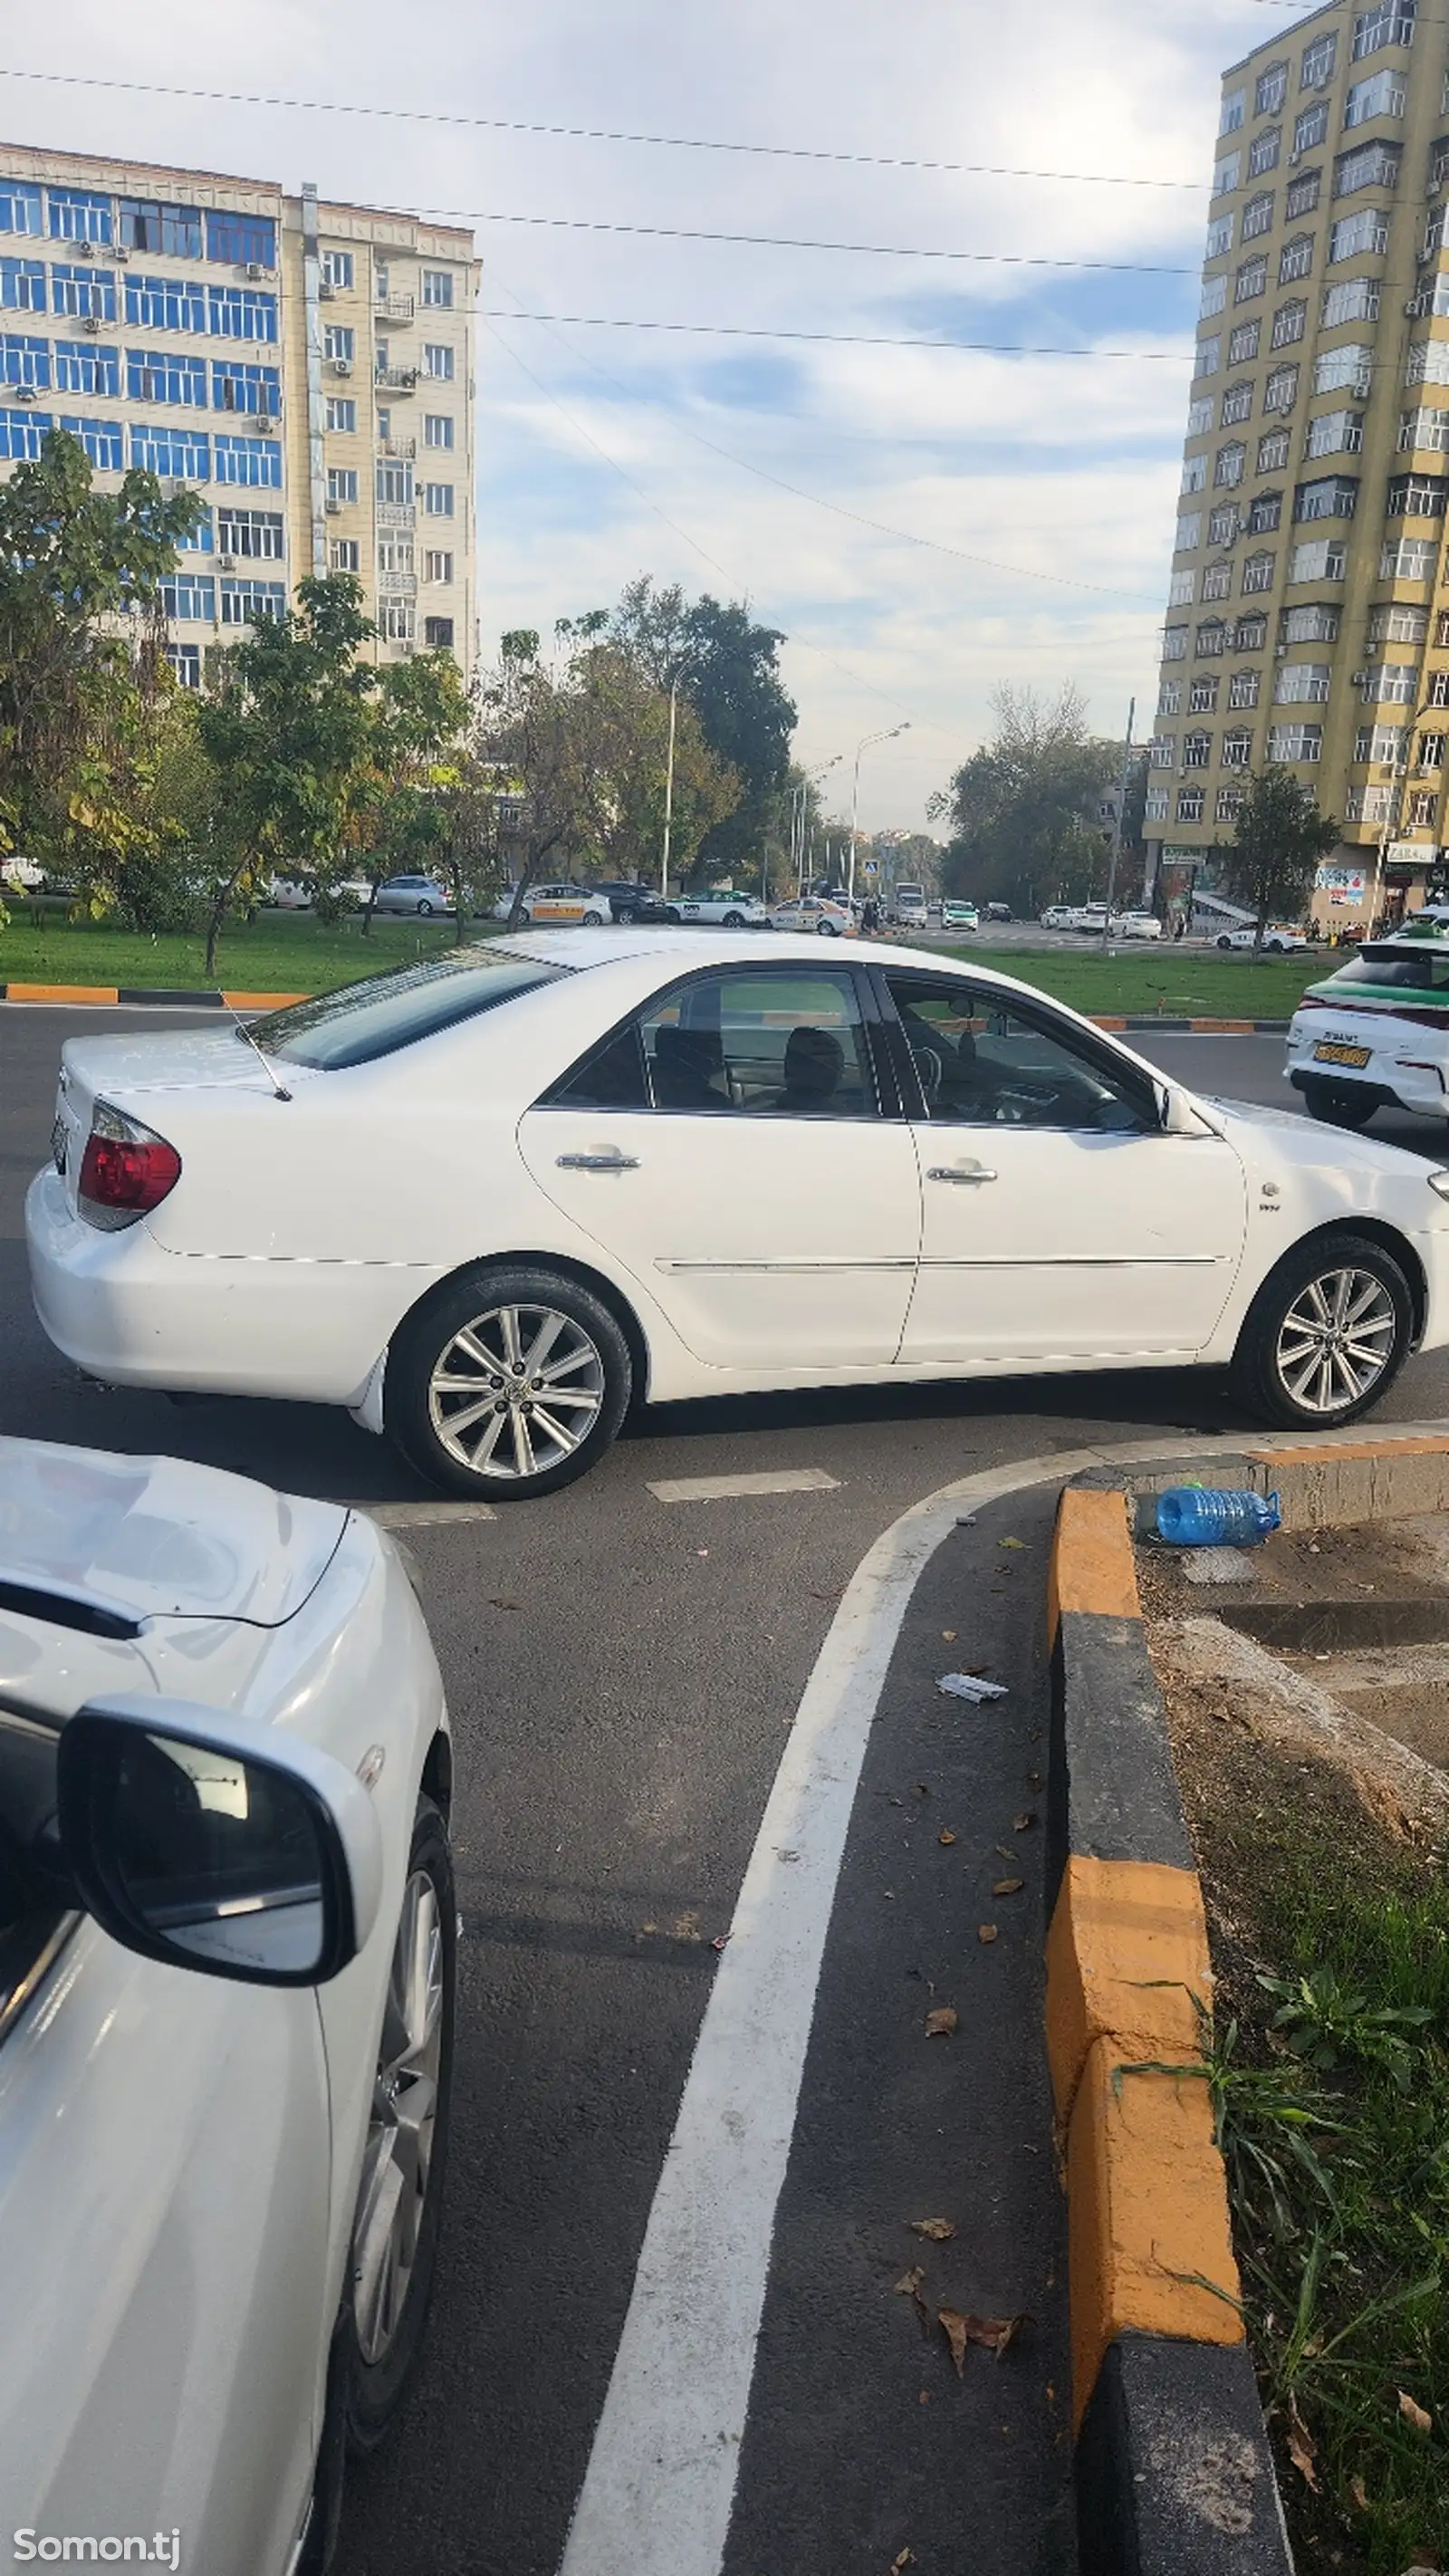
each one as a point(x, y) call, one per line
point(939, 2230)
point(994, 2334)
point(1008, 1887)
point(1300, 2444)
point(946, 1837)
point(985, 1931)
point(1415, 2414)
point(953, 2326)
point(701, 1551)
point(1023, 1823)
point(949, 1635)
point(721, 1939)
point(908, 2286)
point(925, 2397)
point(922, 1790)
point(1359, 2494)
point(942, 2022)
point(496, 1603)
point(906, 2559)
point(1011, 1542)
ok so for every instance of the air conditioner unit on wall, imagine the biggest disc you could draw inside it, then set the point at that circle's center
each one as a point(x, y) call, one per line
point(326, 289)
point(120, 251)
point(342, 366)
point(264, 420)
point(334, 508)
point(255, 268)
point(227, 562)
point(22, 393)
point(90, 322)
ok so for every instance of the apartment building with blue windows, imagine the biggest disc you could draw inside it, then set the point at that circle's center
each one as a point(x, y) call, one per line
point(306, 368)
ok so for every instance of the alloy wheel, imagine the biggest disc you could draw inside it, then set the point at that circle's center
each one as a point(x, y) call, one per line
point(1336, 1340)
point(397, 2160)
point(516, 1392)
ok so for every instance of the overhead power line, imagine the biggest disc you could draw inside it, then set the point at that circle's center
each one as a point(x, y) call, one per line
point(833, 339)
point(593, 133)
point(790, 241)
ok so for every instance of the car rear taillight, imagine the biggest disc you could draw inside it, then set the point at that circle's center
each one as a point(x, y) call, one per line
point(126, 1170)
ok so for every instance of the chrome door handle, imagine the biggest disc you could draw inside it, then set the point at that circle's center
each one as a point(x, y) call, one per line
point(972, 1172)
point(598, 1163)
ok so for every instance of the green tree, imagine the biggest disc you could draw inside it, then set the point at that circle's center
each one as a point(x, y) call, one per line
point(727, 668)
point(1023, 812)
point(1276, 848)
point(416, 728)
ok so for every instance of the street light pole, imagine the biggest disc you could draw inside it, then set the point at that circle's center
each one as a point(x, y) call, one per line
point(801, 797)
point(1118, 820)
point(864, 745)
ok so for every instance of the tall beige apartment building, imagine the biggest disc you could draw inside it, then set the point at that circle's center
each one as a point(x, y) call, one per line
point(306, 368)
point(1308, 616)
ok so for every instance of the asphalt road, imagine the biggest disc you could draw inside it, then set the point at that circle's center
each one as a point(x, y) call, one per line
point(623, 1673)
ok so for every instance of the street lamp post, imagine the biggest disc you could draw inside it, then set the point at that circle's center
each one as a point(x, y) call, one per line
point(799, 808)
point(864, 745)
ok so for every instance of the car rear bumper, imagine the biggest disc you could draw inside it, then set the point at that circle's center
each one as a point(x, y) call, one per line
point(1402, 1070)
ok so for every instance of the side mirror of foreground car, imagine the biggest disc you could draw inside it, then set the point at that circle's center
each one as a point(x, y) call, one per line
point(215, 1845)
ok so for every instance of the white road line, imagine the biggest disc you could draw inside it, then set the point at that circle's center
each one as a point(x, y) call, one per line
point(659, 2489)
point(717, 1489)
point(410, 1516)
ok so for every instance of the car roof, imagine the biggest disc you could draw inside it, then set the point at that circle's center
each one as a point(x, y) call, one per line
point(583, 949)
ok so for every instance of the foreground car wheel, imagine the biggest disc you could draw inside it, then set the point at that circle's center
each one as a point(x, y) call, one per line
point(1339, 1104)
point(593, 921)
point(827, 929)
point(510, 1384)
point(1326, 1335)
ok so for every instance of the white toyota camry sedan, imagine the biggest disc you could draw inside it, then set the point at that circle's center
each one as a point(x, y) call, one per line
point(227, 1928)
point(487, 1202)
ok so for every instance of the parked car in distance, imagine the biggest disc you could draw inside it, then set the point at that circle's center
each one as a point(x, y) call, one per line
point(815, 912)
point(1059, 916)
point(908, 907)
point(629, 901)
point(998, 912)
point(691, 1165)
point(1277, 940)
point(1137, 925)
point(1375, 1034)
point(413, 894)
point(1093, 917)
point(721, 909)
point(227, 1939)
point(560, 905)
point(288, 894)
point(956, 915)
point(22, 876)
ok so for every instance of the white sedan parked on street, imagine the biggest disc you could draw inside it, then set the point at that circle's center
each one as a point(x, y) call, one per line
point(227, 1926)
point(1276, 940)
point(722, 910)
point(488, 1202)
point(1138, 925)
point(817, 912)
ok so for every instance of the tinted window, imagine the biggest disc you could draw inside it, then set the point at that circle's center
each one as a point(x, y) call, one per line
point(1390, 968)
point(611, 1078)
point(984, 1063)
point(761, 1046)
point(375, 1018)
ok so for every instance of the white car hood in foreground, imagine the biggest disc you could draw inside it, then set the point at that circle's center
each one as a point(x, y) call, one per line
point(1300, 1140)
point(159, 1537)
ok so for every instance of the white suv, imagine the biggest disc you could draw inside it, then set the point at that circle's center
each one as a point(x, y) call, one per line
point(227, 1933)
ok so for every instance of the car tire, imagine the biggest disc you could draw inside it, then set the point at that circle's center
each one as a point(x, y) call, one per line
point(1339, 1104)
point(733, 921)
point(1224, 942)
point(593, 921)
point(424, 909)
point(418, 1409)
point(671, 912)
point(827, 930)
point(1285, 1319)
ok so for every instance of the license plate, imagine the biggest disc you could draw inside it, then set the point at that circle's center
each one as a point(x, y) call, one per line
point(1326, 1054)
point(58, 1142)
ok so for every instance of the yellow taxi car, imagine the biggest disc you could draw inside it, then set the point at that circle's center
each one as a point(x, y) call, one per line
point(557, 905)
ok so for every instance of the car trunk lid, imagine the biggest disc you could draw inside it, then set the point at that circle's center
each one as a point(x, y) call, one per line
point(136, 1070)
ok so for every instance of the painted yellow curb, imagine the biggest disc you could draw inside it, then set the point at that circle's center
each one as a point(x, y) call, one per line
point(263, 1001)
point(1126, 1955)
point(1147, 2214)
point(1092, 1565)
point(60, 992)
point(1327, 1452)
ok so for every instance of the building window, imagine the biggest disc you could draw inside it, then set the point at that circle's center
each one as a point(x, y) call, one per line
point(397, 621)
point(101, 440)
point(249, 460)
point(76, 214)
point(1295, 259)
point(1372, 165)
point(1271, 90)
point(89, 292)
point(1197, 750)
point(1263, 151)
point(1356, 300)
point(83, 368)
point(1438, 689)
point(381, 279)
point(438, 634)
point(1356, 234)
point(20, 208)
point(1229, 465)
point(165, 303)
point(1295, 742)
point(190, 595)
point(185, 661)
point(1264, 514)
point(394, 482)
point(1417, 496)
point(1310, 129)
point(1302, 683)
point(1229, 804)
point(244, 241)
point(256, 533)
point(1428, 363)
point(1214, 297)
point(241, 313)
point(1203, 695)
point(236, 386)
point(1350, 367)
point(1431, 751)
point(395, 554)
point(1391, 22)
point(344, 555)
point(1217, 581)
point(1408, 559)
point(336, 267)
point(1243, 689)
point(438, 500)
point(1200, 416)
point(1226, 174)
point(1180, 589)
point(438, 288)
point(24, 361)
point(1209, 353)
point(1289, 324)
point(1395, 621)
point(1319, 559)
point(339, 340)
point(1251, 279)
point(1211, 639)
point(342, 483)
point(1219, 237)
point(1257, 216)
point(244, 602)
point(1257, 573)
point(1424, 430)
point(1383, 95)
point(341, 412)
point(1238, 746)
point(437, 429)
point(23, 433)
point(1169, 697)
point(1335, 497)
point(1189, 804)
point(1423, 806)
point(1273, 451)
point(176, 230)
point(1223, 524)
point(1390, 684)
point(182, 453)
point(1243, 343)
point(1252, 633)
point(1237, 405)
point(1280, 391)
point(1317, 624)
point(22, 285)
point(438, 361)
point(1367, 804)
point(1162, 751)
point(1174, 643)
point(1189, 532)
point(1303, 194)
point(161, 376)
point(1155, 809)
point(1334, 432)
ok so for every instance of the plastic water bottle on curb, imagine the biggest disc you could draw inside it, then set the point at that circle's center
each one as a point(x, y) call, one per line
point(1196, 1516)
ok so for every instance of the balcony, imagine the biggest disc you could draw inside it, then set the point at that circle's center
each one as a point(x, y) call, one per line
point(397, 447)
point(394, 308)
point(397, 514)
point(397, 585)
point(396, 380)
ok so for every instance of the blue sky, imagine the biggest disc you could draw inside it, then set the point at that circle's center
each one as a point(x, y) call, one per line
point(598, 446)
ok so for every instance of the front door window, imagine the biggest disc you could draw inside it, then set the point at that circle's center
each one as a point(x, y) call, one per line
point(983, 1063)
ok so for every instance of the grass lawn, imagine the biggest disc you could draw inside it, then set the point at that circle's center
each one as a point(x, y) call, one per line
point(1192, 986)
point(280, 952)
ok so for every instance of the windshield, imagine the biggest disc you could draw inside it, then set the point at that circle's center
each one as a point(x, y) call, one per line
point(1423, 969)
point(363, 1021)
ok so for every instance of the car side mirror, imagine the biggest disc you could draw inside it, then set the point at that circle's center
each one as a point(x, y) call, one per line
point(1178, 1114)
point(213, 1845)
